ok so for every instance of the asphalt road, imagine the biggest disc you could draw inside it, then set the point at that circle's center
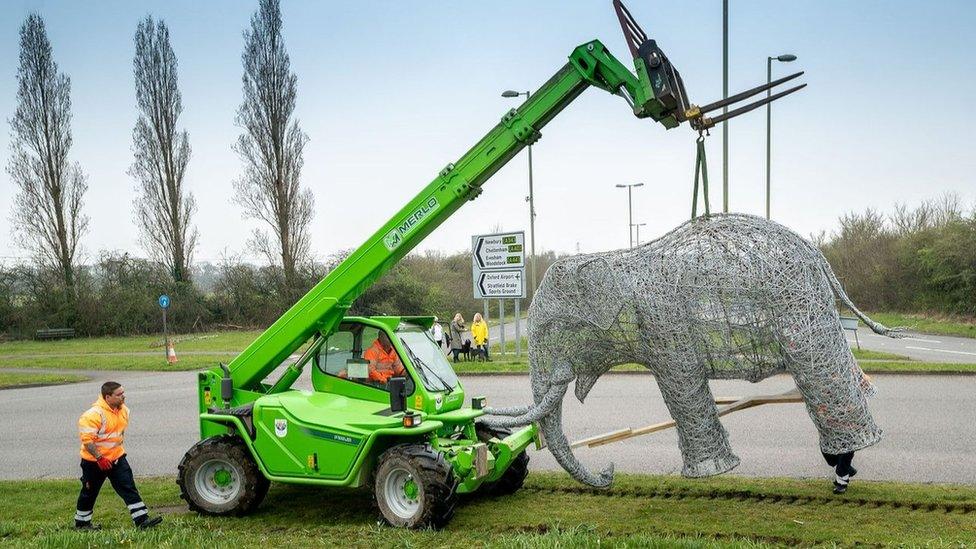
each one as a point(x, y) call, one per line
point(929, 423)
point(923, 347)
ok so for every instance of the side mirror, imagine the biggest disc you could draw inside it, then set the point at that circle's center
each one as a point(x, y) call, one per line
point(398, 393)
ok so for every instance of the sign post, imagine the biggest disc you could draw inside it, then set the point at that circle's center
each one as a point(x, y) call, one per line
point(164, 304)
point(498, 272)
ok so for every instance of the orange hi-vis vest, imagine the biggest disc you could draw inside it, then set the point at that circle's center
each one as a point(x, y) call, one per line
point(382, 365)
point(105, 427)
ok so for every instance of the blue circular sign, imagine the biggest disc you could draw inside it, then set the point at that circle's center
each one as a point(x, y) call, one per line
point(164, 301)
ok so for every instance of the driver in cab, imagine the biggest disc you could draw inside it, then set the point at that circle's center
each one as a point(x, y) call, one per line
point(384, 362)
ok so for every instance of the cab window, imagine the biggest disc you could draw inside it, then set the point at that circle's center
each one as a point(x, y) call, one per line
point(357, 353)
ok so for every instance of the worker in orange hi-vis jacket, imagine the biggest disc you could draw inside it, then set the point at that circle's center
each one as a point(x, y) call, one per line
point(102, 430)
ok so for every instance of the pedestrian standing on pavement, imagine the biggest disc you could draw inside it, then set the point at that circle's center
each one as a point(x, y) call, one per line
point(437, 332)
point(457, 330)
point(479, 336)
point(102, 430)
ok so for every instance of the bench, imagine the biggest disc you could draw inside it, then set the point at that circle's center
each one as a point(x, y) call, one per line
point(55, 333)
point(850, 323)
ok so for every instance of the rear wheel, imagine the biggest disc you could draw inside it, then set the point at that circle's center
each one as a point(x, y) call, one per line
point(218, 476)
point(514, 477)
point(414, 487)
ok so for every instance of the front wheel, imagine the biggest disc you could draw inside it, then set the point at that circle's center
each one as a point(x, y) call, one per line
point(218, 476)
point(414, 487)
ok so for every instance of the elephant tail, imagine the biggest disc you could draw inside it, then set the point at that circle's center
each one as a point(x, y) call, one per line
point(835, 284)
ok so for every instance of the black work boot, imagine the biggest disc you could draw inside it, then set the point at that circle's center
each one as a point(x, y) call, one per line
point(149, 523)
point(86, 525)
point(839, 488)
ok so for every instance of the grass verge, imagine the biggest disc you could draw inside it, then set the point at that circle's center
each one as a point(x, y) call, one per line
point(115, 362)
point(142, 353)
point(231, 342)
point(928, 324)
point(11, 379)
point(551, 511)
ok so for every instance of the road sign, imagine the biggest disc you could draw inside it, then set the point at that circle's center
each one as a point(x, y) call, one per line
point(498, 265)
point(164, 301)
point(500, 284)
point(499, 251)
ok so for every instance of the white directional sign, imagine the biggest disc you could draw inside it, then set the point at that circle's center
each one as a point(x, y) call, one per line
point(500, 284)
point(498, 265)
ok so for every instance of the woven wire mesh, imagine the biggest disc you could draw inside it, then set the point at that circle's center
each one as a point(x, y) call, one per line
point(728, 296)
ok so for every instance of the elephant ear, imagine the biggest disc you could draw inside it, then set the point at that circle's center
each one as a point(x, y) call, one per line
point(598, 293)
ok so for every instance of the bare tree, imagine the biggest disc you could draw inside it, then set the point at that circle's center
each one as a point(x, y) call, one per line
point(163, 207)
point(271, 147)
point(47, 219)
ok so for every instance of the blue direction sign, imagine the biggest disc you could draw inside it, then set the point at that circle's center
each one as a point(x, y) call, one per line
point(164, 301)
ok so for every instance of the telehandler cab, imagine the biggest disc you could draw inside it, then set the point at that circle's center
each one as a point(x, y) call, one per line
point(411, 440)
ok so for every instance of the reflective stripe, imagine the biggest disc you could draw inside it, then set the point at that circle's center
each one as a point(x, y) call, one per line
point(87, 430)
point(843, 480)
point(114, 434)
point(136, 505)
point(138, 514)
point(107, 444)
point(101, 413)
point(80, 513)
point(83, 518)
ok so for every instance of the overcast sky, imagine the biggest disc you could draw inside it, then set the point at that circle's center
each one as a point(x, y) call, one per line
point(390, 92)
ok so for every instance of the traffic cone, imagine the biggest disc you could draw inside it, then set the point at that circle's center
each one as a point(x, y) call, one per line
point(171, 354)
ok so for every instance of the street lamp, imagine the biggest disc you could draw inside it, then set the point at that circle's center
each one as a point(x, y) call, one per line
point(630, 209)
point(639, 225)
point(785, 58)
point(530, 199)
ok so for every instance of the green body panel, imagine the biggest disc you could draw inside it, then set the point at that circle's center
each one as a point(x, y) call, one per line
point(333, 435)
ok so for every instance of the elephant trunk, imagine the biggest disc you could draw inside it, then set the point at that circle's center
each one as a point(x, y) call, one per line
point(525, 415)
point(552, 429)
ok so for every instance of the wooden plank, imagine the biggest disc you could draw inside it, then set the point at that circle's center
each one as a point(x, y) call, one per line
point(792, 395)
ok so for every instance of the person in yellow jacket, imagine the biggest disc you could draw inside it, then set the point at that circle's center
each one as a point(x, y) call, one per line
point(102, 430)
point(479, 335)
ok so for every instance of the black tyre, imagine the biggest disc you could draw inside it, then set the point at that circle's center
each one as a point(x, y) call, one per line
point(414, 487)
point(514, 477)
point(218, 476)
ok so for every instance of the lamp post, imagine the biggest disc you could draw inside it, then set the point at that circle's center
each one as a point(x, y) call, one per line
point(530, 199)
point(630, 209)
point(785, 58)
point(639, 225)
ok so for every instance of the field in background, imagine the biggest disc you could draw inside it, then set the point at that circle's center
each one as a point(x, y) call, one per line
point(10, 380)
point(202, 351)
point(928, 324)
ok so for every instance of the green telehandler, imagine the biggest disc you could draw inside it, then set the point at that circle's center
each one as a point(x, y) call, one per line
point(410, 439)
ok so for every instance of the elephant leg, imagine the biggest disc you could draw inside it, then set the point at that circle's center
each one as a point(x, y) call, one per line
point(833, 388)
point(703, 441)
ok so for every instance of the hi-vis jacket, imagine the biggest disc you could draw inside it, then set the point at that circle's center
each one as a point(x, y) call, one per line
point(105, 427)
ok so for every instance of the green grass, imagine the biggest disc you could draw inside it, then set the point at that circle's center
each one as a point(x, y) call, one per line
point(228, 341)
point(13, 379)
point(115, 362)
point(928, 324)
point(865, 354)
point(893, 367)
point(551, 511)
point(143, 353)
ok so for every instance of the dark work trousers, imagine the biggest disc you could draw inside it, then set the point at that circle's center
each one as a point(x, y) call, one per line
point(841, 464)
point(120, 475)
